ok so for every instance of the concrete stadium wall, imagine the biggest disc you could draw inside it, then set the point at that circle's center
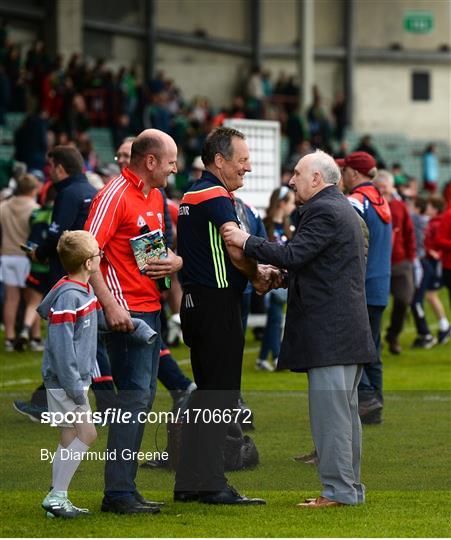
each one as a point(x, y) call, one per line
point(383, 102)
point(219, 18)
point(329, 23)
point(379, 23)
point(130, 12)
point(280, 22)
point(202, 73)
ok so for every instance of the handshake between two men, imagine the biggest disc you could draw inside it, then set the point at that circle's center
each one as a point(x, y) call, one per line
point(267, 276)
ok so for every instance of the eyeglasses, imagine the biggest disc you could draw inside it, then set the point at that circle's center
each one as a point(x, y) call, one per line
point(99, 254)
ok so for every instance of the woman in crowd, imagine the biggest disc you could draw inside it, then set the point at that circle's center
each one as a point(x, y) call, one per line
point(278, 226)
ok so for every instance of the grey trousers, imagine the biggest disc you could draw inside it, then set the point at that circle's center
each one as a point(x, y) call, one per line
point(336, 431)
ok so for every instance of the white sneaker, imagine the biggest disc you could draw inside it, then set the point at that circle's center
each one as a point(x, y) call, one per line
point(58, 505)
point(36, 346)
point(264, 365)
point(9, 345)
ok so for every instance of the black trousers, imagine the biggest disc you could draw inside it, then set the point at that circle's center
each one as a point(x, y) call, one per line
point(212, 328)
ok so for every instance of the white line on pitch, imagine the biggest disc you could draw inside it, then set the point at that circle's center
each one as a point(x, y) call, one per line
point(13, 367)
point(19, 381)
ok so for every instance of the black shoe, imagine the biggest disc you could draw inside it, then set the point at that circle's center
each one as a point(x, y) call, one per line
point(179, 400)
point(246, 416)
point(186, 496)
point(155, 464)
point(145, 502)
point(127, 506)
point(229, 496)
point(21, 343)
point(372, 418)
point(369, 406)
point(393, 345)
point(424, 342)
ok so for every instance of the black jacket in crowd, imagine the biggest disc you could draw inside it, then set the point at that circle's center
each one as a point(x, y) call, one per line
point(327, 320)
point(70, 211)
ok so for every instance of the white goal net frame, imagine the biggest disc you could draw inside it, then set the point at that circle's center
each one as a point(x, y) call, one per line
point(263, 138)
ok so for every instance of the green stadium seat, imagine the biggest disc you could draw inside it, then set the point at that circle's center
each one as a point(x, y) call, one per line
point(6, 151)
point(14, 119)
point(397, 148)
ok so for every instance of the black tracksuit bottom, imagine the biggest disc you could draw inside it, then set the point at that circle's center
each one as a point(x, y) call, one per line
point(212, 328)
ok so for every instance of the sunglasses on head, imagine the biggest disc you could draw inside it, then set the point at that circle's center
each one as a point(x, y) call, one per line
point(283, 192)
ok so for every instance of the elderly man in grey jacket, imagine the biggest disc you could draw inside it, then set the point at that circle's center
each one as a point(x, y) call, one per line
point(327, 332)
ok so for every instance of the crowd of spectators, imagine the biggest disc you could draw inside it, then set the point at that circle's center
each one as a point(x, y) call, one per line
point(62, 100)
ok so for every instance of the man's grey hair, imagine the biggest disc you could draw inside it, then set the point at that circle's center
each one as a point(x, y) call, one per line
point(325, 164)
point(384, 176)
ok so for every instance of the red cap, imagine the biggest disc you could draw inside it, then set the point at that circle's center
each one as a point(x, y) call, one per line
point(361, 162)
point(341, 162)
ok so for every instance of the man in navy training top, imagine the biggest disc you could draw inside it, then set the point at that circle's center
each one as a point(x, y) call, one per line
point(213, 279)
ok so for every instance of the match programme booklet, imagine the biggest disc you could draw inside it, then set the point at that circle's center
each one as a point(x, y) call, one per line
point(147, 246)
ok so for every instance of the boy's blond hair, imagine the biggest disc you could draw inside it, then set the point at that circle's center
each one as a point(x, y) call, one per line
point(74, 248)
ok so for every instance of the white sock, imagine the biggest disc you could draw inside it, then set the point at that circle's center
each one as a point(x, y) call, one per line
point(443, 324)
point(56, 465)
point(65, 471)
point(62, 494)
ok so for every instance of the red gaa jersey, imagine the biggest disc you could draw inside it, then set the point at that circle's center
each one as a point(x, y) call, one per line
point(118, 213)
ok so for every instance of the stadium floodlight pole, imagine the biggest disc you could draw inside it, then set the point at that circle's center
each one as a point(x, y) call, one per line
point(306, 32)
point(349, 60)
point(256, 37)
point(151, 40)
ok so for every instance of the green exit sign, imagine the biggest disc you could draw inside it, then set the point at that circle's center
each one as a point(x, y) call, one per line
point(419, 22)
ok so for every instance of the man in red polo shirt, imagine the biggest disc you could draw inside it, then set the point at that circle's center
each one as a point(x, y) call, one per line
point(128, 206)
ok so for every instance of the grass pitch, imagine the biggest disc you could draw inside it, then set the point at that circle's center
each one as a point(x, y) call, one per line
point(406, 466)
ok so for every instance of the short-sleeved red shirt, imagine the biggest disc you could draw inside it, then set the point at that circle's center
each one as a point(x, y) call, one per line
point(118, 213)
